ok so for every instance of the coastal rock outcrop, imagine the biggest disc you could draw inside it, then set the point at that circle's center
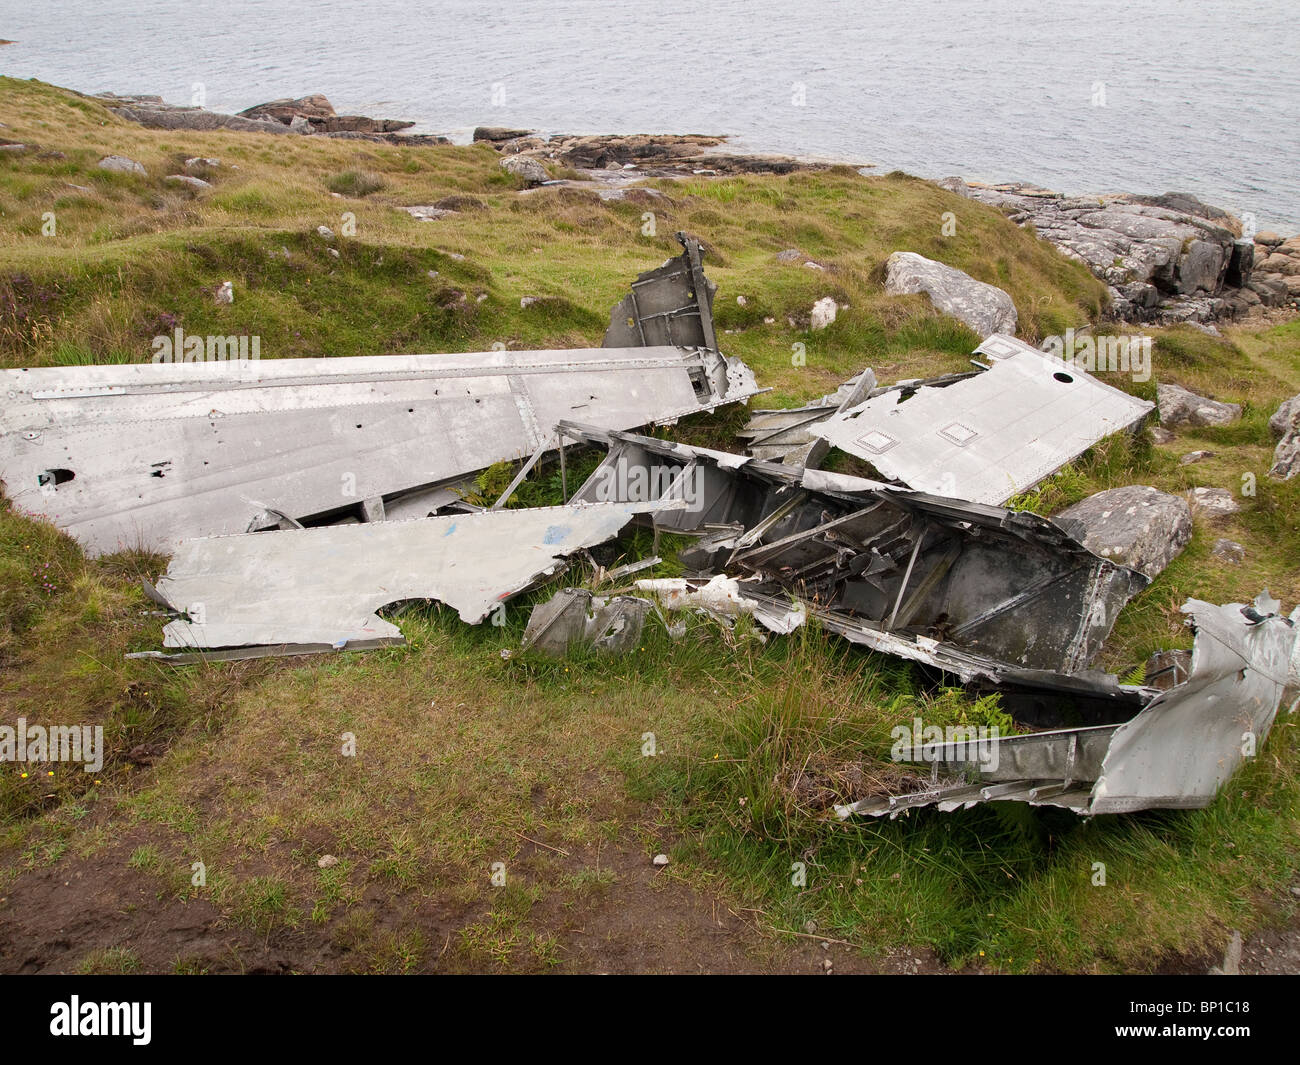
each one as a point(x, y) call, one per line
point(306, 115)
point(985, 308)
point(1166, 259)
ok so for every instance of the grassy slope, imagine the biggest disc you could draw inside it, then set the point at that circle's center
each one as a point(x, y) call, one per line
point(459, 751)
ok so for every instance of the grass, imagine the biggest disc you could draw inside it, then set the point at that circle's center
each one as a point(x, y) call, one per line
point(463, 759)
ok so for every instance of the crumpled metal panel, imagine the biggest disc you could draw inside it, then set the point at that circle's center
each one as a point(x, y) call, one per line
point(980, 591)
point(154, 453)
point(1190, 739)
point(574, 616)
point(1175, 752)
point(989, 436)
point(785, 435)
point(323, 585)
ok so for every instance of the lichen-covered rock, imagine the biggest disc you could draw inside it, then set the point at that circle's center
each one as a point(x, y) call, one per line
point(122, 165)
point(1284, 418)
point(1178, 406)
point(1228, 551)
point(523, 167)
point(1137, 526)
point(985, 308)
point(1213, 502)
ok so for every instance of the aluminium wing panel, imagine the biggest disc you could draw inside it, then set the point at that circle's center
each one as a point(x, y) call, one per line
point(146, 455)
point(990, 436)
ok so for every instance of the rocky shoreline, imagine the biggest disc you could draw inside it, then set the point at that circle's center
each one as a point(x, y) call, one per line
point(1166, 259)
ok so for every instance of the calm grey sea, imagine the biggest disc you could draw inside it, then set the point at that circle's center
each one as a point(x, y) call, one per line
point(1081, 97)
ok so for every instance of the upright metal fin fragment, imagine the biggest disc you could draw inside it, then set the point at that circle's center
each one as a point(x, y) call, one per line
point(987, 436)
point(672, 304)
point(324, 585)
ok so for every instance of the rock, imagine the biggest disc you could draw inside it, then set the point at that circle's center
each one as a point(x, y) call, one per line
point(333, 251)
point(660, 860)
point(823, 312)
point(1212, 502)
point(1284, 418)
point(1240, 264)
point(1178, 406)
point(811, 265)
point(1272, 292)
point(325, 232)
point(527, 302)
point(427, 213)
point(1286, 456)
point(1137, 526)
point(199, 162)
point(298, 124)
point(1228, 551)
point(1173, 241)
point(1268, 238)
point(151, 112)
point(529, 169)
point(188, 179)
point(226, 293)
point(985, 308)
point(327, 861)
point(1195, 456)
point(1160, 435)
point(498, 134)
point(13, 149)
point(790, 255)
point(741, 301)
point(284, 111)
point(122, 164)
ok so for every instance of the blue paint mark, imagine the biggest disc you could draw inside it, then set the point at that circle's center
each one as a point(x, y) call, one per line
point(450, 530)
point(557, 534)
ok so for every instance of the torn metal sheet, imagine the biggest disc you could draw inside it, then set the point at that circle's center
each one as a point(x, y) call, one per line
point(979, 591)
point(672, 304)
point(130, 456)
point(323, 585)
point(991, 435)
point(1176, 751)
point(785, 435)
point(573, 616)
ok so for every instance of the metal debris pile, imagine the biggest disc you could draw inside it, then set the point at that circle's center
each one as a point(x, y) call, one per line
point(298, 498)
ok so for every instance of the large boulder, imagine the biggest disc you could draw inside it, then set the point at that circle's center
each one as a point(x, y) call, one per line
point(1178, 406)
point(122, 165)
point(1286, 457)
point(522, 166)
point(1285, 416)
point(985, 308)
point(1137, 526)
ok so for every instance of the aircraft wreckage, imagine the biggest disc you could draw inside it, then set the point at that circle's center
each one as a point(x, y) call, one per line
point(299, 498)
